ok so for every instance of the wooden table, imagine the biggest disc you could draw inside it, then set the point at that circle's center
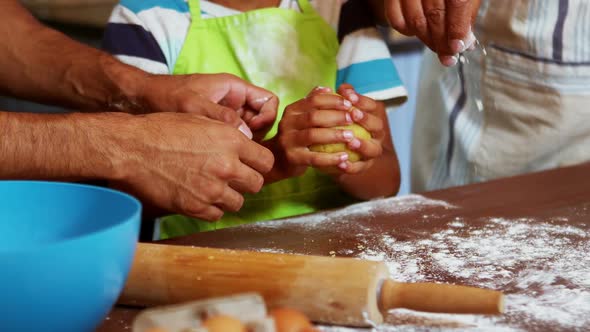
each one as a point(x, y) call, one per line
point(528, 236)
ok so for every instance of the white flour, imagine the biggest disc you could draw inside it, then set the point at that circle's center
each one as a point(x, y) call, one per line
point(546, 278)
point(397, 205)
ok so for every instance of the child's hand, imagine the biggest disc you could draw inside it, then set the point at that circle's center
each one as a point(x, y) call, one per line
point(366, 113)
point(309, 122)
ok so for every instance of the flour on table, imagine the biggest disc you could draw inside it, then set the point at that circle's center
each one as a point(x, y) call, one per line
point(397, 205)
point(543, 266)
point(545, 277)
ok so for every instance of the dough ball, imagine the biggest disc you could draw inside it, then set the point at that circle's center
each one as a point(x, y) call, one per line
point(358, 131)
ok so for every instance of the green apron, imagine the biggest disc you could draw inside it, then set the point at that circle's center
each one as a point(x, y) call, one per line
point(282, 50)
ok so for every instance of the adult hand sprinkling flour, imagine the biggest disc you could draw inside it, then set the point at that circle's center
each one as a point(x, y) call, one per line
point(443, 25)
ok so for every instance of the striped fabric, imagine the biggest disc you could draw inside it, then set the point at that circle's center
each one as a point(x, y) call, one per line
point(149, 34)
point(521, 106)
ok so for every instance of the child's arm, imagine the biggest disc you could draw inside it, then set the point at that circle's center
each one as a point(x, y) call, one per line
point(376, 177)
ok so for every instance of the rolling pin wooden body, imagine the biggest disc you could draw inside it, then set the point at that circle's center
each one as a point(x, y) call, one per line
point(341, 291)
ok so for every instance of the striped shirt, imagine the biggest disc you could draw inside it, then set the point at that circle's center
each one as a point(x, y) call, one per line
point(149, 34)
point(520, 106)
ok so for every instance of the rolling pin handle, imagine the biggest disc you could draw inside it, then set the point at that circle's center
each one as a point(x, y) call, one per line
point(440, 298)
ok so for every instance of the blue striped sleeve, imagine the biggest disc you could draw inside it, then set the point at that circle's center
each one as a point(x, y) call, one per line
point(370, 76)
point(132, 40)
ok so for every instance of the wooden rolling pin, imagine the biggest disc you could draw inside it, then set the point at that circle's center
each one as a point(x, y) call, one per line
point(341, 291)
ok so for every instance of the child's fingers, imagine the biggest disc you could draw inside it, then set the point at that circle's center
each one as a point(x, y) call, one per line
point(368, 149)
point(327, 101)
point(356, 167)
point(315, 136)
point(365, 103)
point(347, 91)
point(322, 119)
point(320, 90)
point(369, 121)
point(319, 159)
point(303, 156)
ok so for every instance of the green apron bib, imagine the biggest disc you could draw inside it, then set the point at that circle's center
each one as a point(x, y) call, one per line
point(282, 50)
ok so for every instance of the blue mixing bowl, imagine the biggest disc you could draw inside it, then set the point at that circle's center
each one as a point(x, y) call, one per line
point(65, 252)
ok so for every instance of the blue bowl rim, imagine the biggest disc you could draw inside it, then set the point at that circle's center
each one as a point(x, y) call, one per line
point(137, 210)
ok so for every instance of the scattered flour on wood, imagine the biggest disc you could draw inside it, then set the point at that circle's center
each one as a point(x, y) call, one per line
point(543, 266)
point(396, 205)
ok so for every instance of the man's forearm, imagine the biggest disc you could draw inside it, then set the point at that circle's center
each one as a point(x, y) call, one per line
point(44, 65)
point(61, 146)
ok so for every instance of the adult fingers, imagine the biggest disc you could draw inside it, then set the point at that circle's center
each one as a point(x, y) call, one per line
point(395, 16)
point(230, 200)
point(200, 205)
point(256, 156)
point(239, 93)
point(458, 22)
point(267, 112)
point(434, 10)
point(246, 180)
point(416, 21)
point(208, 213)
point(196, 105)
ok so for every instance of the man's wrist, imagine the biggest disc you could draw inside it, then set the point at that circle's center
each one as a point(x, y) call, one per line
point(108, 138)
point(127, 85)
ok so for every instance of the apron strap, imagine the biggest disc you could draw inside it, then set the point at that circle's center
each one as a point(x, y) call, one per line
point(305, 6)
point(195, 9)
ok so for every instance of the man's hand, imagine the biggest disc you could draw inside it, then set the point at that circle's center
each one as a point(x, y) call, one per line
point(179, 162)
point(222, 97)
point(43, 65)
point(188, 164)
point(445, 26)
